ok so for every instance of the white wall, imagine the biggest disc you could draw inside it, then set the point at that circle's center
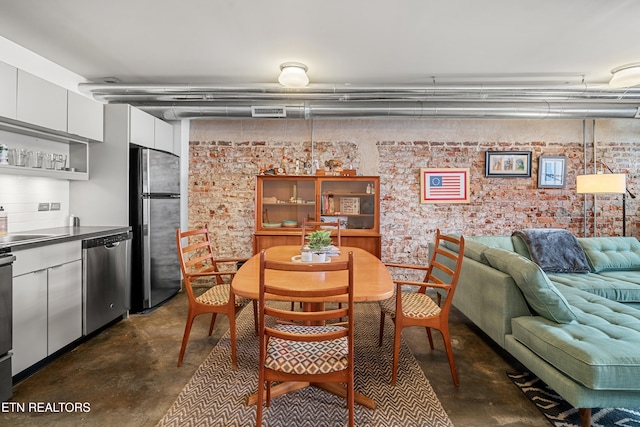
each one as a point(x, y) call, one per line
point(21, 196)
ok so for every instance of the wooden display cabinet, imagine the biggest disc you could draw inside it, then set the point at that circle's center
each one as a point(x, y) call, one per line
point(284, 201)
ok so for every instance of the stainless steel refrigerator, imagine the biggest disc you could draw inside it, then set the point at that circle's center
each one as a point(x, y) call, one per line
point(154, 215)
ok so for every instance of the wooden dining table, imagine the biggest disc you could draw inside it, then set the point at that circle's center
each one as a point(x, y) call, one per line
point(372, 282)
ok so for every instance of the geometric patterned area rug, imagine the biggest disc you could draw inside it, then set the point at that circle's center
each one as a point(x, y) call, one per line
point(216, 394)
point(562, 414)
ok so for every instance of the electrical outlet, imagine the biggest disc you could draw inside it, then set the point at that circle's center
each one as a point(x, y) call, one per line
point(55, 206)
point(43, 207)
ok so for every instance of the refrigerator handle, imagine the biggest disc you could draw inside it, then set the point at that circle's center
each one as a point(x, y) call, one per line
point(146, 241)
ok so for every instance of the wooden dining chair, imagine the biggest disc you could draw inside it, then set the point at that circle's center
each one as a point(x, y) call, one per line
point(305, 347)
point(197, 262)
point(409, 308)
point(310, 226)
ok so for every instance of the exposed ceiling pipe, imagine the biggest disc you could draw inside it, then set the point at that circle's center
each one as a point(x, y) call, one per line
point(501, 110)
point(183, 101)
point(109, 92)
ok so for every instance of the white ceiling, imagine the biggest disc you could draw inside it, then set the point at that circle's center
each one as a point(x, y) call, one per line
point(376, 58)
point(341, 41)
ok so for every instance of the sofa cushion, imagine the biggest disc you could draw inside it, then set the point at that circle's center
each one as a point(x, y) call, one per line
point(503, 242)
point(611, 253)
point(598, 350)
point(621, 286)
point(540, 293)
point(520, 247)
point(475, 251)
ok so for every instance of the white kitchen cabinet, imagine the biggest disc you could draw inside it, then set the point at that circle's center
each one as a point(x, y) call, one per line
point(163, 136)
point(85, 117)
point(47, 301)
point(8, 88)
point(141, 128)
point(41, 103)
point(29, 320)
point(64, 311)
point(149, 131)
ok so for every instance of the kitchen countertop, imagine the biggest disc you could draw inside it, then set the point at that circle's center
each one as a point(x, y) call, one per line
point(49, 236)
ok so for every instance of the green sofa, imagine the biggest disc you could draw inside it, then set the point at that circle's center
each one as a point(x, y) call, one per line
point(578, 332)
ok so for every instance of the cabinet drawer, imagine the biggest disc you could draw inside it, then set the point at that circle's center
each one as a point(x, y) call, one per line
point(35, 259)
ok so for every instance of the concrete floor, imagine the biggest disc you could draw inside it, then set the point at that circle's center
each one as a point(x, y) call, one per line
point(128, 376)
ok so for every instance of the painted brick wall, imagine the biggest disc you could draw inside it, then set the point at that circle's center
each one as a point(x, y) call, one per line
point(225, 156)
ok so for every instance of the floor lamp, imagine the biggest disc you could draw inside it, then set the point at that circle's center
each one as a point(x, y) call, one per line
point(601, 183)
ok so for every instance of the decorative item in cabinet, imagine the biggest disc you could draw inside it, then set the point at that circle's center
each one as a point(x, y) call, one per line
point(350, 205)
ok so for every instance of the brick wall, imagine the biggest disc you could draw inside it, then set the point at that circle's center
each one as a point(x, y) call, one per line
point(225, 156)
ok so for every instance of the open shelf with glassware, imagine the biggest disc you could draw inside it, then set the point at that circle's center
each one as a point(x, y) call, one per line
point(33, 155)
point(284, 201)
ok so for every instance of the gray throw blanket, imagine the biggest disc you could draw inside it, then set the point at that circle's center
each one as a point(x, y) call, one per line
point(554, 250)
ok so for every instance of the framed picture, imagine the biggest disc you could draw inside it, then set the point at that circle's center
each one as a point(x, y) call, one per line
point(508, 164)
point(448, 185)
point(552, 171)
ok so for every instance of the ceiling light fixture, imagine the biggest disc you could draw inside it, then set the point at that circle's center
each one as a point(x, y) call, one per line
point(293, 74)
point(626, 75)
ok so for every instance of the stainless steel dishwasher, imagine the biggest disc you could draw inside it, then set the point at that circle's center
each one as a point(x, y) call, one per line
point(106, 271)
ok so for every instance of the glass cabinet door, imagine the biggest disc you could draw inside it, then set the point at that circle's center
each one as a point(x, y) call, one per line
point(287, 202)
point(351, 201)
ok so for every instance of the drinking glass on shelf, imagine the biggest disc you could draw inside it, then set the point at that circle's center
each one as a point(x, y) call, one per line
point(20, 156)
point(36, 159)
point(61, 161)
point(49, 161)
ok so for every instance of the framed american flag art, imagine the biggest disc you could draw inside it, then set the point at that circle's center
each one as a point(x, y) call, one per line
point(448, 185)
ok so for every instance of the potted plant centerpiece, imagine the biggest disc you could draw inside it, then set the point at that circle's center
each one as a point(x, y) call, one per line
point(318, 242)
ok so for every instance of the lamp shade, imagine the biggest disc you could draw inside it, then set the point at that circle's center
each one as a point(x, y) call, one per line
point(293, 74)
point(601, 183)
point(626, 75)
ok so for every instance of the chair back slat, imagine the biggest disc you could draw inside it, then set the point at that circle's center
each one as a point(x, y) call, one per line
point(443, 274)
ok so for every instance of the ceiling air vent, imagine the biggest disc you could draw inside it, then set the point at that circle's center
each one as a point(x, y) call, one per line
point(271, 111)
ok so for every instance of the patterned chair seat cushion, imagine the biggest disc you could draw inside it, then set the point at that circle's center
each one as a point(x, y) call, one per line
point(414, 304)
point(219, 295)
point(307, 357)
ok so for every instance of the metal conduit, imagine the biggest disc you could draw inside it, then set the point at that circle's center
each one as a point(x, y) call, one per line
point(184, 101)
point(105, 90)
point(506, 110)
